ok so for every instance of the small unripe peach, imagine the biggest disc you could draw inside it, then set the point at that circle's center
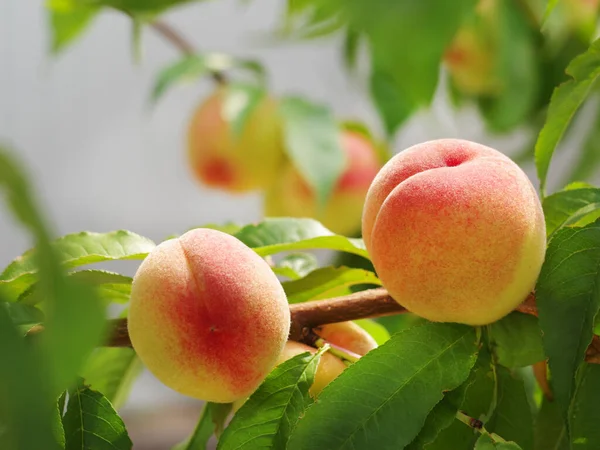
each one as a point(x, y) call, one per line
point(220, 159)
point(291, 196)
point(348, 336)
point(455, 231)
point(208, 317)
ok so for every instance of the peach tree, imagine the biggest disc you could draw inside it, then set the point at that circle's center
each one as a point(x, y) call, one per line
point(464, 317)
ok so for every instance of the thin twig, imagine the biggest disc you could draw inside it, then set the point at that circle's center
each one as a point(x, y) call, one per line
point(183, 45)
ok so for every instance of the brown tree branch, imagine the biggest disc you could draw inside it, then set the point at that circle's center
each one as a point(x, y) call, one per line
point(183, 45)
point(359, 305)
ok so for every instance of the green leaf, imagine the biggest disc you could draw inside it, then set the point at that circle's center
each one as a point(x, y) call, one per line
point(476, 403)
point(442, 415)
point(23, 314)
point(143, 8)
point(516, 69)
point(588, 159)
point(68, 20)
point(585, 414)
point(68, 315)
point(550, 431)
point(204, 429)
point(568, 298)
point(74, 250)
point(405, 74)
point(382, 400)
point(239, 103)
point(192, 67)
point(351, 47)
point(327, 282)
point(485, 442)
point(92, 422)
point(26, 405)
point(566, 99)
point(517, 340)
point(112, 371)
point(109, 286)
point(57, 426)
point(512, 417)
point(270, 414)
point(393, 104)
point(568, 207)
point(312, 142)
point(275, 235)
point(375, 329)
point(296, 265)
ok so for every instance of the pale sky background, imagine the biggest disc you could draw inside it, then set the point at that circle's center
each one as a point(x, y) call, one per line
point(102, 160)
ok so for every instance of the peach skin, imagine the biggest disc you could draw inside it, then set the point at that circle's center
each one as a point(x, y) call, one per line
point(455, 231)
point(208, 317)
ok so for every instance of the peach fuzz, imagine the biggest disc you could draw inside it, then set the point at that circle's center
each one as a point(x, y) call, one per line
point(291, 196)
point(208, 317)
point(348, 336)
point(220, 159)
point(455, 231)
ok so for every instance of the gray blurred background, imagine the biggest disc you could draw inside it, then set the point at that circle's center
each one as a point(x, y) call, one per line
point(103, 160)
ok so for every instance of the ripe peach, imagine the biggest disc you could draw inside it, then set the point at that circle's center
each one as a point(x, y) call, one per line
point(455, 230)
point(242, 163)
point(347, 335)
point(291, 196)
point(208, 317)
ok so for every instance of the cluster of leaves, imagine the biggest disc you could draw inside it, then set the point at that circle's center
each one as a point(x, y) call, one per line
point(524, 44)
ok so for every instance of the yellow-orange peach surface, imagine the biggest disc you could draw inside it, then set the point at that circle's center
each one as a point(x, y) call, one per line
point(208, 317)
point(241, 163)
point(455, 230)
point(348, 336)
point(291, 196)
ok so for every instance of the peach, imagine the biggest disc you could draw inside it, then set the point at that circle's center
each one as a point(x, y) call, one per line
point(219, 159)
point(291, 196)
point(348, 336)
point(455, 231)
point(208, 317)
point(470, 58)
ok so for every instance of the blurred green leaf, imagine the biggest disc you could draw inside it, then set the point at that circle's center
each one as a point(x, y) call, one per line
point(72, 309)
point(23, 314)
point(112, 372)
point(271, 413)
point(585, 414)
point(351, 47)
point(485, 442)
point(568, 207)
point(382, 400)
point(57, 426)
point(327, 282)
point(407, 75)
point(568, 299)
point(312, 142)
point(91, 422)
point(275, 235)
point(566, 99)
point(516, 69)
point(109, 286)
point(588, 160)
point(296, 265)
point(375, 329)
point(26, 405)
point(74, 250)
point(550, 432)
point(240, 101)
point(143, 8)
point(517, 340)
point(512, 417)
point(68, 20)
point(192, 67)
